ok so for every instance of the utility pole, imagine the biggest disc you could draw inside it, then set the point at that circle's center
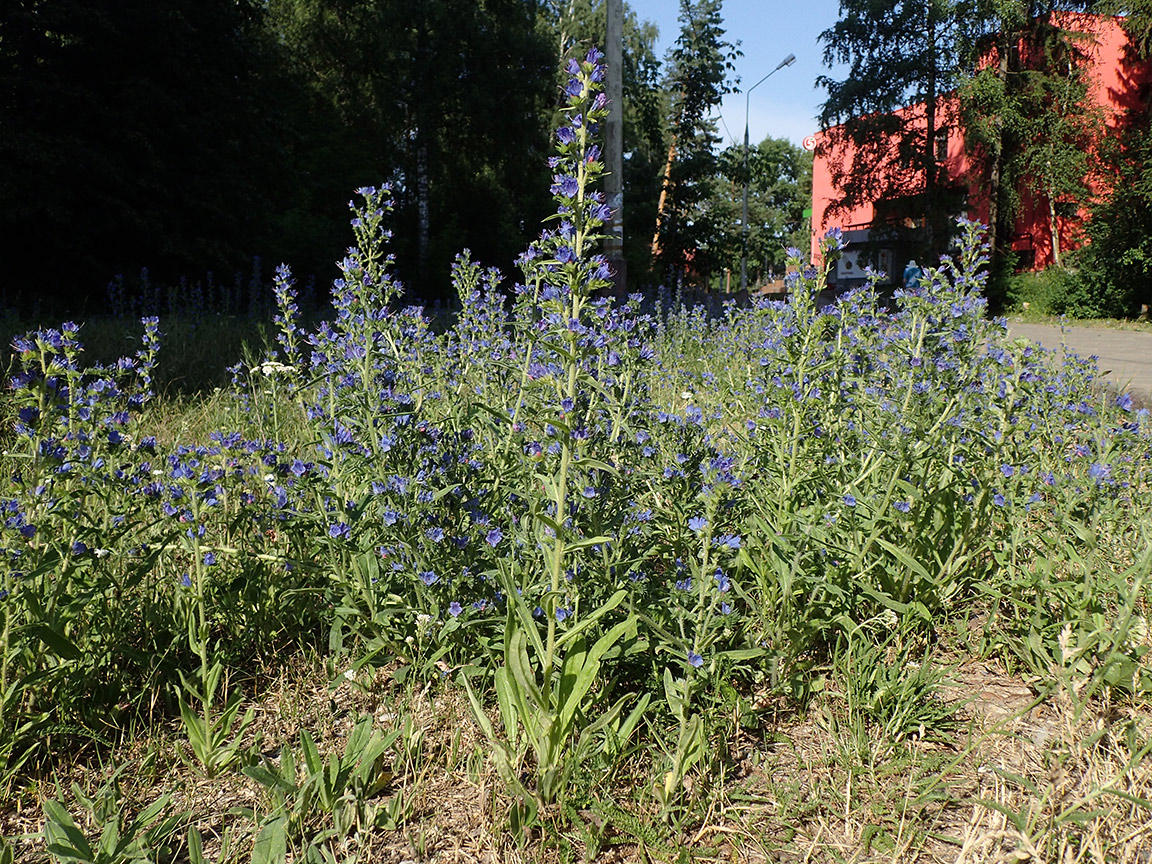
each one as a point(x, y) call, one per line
point(614, 145)
point(787, 61)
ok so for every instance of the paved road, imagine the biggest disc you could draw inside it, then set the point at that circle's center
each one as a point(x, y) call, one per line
point(1125, 356)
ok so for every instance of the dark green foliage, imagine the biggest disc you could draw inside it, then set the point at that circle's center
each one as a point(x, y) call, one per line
point(1116, 268)
point(134, 133)
point(779, 190)
point(1045, 291)
point(191, 135)
point(1027, 117)
point(443, 100)
point(695, 221)
point(1099, 289)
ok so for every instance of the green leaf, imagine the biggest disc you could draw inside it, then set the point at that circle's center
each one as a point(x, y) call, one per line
point(58, 828)
point(585, 462)
point(672, 694)
point(271, 845)
point(505, 698)
point(194, 728)
point(477, 709)
point(265, 777)
point(447, 490)
point(60, 644)
point(588, 620)
point(740, 654)
point(904, 558)
point(576, 545)
point(516, 659)
point(312, 761)
point(150, 814)
point(587, 670)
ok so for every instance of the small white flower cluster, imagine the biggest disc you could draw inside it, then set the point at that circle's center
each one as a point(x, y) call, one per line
point(272, 367)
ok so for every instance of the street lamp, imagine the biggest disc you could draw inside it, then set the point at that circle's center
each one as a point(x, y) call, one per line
point(787, 61)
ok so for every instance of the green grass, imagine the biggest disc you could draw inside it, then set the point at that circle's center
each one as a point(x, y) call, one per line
point(905, 751)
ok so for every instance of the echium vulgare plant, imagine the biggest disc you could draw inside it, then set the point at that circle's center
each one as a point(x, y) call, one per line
point(67, 530)
point(899, 455)
point(387, 495)
point(559, 573)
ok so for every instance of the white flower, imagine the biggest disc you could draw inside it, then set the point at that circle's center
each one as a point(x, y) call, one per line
point(272, 367)
point(350, 674)
point(686, 395)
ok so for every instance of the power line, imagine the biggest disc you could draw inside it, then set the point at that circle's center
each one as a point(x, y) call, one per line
point(731, 137)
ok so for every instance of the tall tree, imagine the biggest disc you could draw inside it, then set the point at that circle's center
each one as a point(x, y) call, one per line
point(690, 230)
point(1027, 116)
point(574, 27)
point(883, 119)
point(132, 133)
point(779, 190)
point(1060, 160)
point(1115, 272)
point(444, 99)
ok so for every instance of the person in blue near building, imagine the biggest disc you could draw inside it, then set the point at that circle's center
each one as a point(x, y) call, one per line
point(912, 274)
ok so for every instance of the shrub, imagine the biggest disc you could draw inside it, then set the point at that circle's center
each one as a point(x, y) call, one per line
point(1046, 292)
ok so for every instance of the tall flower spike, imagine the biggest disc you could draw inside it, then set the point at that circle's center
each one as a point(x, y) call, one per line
point(563, 258)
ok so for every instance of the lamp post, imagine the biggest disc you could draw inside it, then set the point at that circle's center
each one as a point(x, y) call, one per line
point(787, 61)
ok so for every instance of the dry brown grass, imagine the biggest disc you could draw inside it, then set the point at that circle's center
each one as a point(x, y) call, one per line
point(1023, 778)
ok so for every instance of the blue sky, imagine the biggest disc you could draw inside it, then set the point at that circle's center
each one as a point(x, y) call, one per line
point(784, 106)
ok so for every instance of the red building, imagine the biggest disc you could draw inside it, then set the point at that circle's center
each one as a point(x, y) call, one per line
point(872, 230)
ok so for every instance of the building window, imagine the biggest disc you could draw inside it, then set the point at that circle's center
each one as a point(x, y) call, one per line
point(941, 145)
